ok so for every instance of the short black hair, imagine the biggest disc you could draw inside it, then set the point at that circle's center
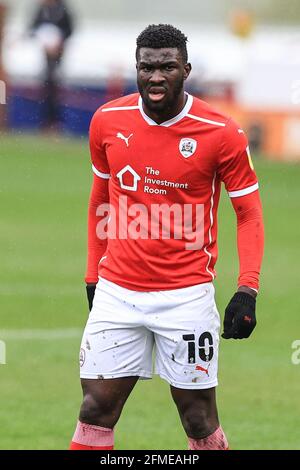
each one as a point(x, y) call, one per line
point(157, 36)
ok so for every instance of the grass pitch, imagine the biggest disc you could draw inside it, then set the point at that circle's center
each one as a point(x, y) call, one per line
point(44, 184)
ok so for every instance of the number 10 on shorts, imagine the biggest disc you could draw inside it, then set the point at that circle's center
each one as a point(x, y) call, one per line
point(205, 347)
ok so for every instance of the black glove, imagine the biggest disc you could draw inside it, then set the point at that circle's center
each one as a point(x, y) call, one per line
point(239, 319)
point(90, 291)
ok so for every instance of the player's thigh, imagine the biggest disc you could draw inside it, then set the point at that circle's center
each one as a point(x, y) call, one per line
point(103, 400)
point(187, 340)
point(115, 344)
point(111, 352)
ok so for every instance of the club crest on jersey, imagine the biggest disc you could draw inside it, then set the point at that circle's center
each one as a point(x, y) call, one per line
point(187, 147)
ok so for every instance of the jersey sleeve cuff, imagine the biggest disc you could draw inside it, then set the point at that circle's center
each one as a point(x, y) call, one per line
point(243, 192)
point(90, 279)
point(105, 176)
point(249, 287)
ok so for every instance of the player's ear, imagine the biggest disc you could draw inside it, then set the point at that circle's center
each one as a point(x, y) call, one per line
point(187, 70)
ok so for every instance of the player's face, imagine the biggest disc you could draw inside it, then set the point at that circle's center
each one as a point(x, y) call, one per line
point(160, 77)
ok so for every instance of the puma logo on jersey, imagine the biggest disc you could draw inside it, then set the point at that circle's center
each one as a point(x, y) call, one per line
point(126, 139)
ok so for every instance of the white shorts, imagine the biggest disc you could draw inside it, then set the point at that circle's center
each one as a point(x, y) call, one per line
point(125, 325)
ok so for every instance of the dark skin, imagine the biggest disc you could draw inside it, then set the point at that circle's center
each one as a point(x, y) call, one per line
point(161, 74)
point(162, 70)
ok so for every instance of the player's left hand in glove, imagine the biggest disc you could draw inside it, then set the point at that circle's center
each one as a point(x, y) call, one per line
point(90, 292)
point(239, 319)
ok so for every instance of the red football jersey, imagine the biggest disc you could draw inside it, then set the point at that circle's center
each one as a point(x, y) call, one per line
point(164, 189)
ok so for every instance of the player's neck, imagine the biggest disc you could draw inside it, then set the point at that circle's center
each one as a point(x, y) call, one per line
point(168, 113)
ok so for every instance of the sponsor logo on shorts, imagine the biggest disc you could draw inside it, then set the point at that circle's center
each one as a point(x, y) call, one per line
point(81, 357)
point(203, 369)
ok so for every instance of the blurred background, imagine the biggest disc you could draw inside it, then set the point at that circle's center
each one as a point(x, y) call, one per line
point(57, 66)
point(245, 59)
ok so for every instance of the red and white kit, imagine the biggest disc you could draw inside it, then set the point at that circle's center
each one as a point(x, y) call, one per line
point(150, 170)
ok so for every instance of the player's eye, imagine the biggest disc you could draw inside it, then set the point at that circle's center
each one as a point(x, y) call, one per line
point(146, 68)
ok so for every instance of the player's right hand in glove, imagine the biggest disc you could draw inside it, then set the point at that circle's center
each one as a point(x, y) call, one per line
point(90, 291)
point(239, 319)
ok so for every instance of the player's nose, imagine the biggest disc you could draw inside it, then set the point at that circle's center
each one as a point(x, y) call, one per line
point(157, 76)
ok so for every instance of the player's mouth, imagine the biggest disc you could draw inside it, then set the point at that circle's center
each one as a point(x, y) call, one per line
point(157, 93)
